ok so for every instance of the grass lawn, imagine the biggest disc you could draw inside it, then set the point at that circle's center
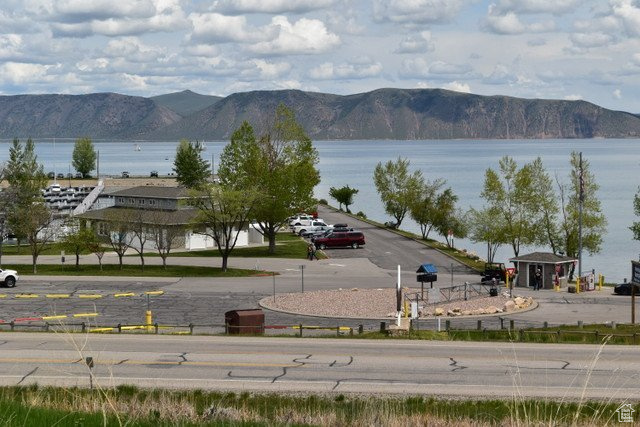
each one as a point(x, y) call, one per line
point(130, 270)
point(49, 249)
point(128, 405)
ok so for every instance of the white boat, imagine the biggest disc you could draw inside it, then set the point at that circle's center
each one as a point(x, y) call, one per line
point(137, 147)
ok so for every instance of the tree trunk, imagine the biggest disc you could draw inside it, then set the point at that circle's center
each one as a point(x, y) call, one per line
point(271, 234)
point(120, 259)
point(77, 259)
point(164, 262)
point(100, 262)
point(35, 260)
point(141, 260)
point(225, 258)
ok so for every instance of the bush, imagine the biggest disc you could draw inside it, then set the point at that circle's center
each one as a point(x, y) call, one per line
point(361, 214)
point(323, 202)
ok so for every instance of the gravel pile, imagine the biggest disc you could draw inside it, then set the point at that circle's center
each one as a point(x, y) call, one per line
point(364, 303)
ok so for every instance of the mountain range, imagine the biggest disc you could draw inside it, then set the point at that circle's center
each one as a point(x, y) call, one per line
point(379, 114)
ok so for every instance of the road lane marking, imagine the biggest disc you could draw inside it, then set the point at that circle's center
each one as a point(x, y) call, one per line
point(72, 361)
point(85, 315)
point(61, 316)
point(124, 294)
point(58, 296)
point(337, 265)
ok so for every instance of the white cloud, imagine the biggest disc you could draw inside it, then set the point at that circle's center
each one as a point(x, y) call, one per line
point(441, 67)
point(417, 11)
point(305, 36)
point(555, 7)
point(589, 40)
point(202, 50)
point(10, 46)
point(271, 70)
point(417, 43)
point(420, 68)
point(271, 6)
point(458, 87)
point(572, 97)
point(329, 71)
point(509, 23)
point(414, 68)
point(19, 73)
point(617, 94)
point(79, 18)
point(214, 27)
point(628, 12)
point(133, 50)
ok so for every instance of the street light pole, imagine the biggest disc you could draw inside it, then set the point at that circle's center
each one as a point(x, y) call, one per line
point(581, 201)
point(302, 276)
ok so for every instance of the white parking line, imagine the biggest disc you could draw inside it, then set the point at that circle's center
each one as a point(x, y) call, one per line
point(337, 265)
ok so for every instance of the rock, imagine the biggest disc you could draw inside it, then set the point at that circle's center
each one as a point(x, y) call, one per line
point(456, 310)
point(509, 306)
point(519, 301)
point(500, 310)
point(450, 313)
point(478, 311)
point(438, 311)
point(354, 289)
point(491, 309)
point(466, 313)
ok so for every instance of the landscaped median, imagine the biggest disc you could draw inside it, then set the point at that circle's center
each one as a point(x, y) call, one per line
point(133, 270)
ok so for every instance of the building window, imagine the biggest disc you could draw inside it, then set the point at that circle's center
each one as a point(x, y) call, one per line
point(131, 201)
point(102, 229)
point(141, 201)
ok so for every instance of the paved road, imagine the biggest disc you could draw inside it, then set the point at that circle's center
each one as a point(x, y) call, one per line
point(363, 366)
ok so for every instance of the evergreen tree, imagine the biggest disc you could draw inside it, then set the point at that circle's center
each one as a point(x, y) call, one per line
point(191, 169)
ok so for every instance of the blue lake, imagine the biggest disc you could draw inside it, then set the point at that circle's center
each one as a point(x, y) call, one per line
point(462, 163)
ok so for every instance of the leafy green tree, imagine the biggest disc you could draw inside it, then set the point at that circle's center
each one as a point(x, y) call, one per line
point(191, 169)
point(423, 209)
point(84, 156)
point(486, 225)
point(78, 240)
point(222, 214)
point(343, 195)
point(26, 214)
point(545, 206)
point(594, 223)
point(397, 187)
point(510, 193)
point(280, 166)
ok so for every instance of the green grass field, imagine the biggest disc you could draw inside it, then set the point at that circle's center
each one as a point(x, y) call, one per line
point(131, 270)
point(128, 405)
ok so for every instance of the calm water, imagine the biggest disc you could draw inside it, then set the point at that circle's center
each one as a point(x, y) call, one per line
point(461, 162)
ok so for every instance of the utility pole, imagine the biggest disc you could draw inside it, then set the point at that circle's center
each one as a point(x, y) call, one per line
point(581, 202)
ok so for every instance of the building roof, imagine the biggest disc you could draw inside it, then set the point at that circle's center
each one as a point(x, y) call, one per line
point(147, 216)
point(153, 191)
point(543, 258)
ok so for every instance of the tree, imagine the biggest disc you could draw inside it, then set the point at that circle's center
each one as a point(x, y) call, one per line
point(485, 226)
point(138, 227)
point(510, 193)
point(222, 213)
point(118, 235)
point(547, 229)
point(84, 156)
point(397, 187)
point(423, 209)
point(594, 222)
point(26, 214)
point(96, 247)
point(191, 169)
point(77, 240)
point(280, 166)
point(343, 195)
point(165, 234)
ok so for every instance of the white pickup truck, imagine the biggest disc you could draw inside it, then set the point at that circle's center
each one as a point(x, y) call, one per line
point(8, 277)
point(301, 220)
point(315, 226)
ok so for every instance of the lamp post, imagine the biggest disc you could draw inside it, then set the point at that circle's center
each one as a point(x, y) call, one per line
point(302, 276)
point(1, 238)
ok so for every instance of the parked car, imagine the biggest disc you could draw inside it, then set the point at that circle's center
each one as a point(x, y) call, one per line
point(302, 219)
point(153, 174)
point(626, 288)
point(8, 277)
point(494, 270)
point(302, 230)
point(79, 175)
point(325, 233)
point(51, 175)
point(60, 176)
point(125, 174)
point(353, 239)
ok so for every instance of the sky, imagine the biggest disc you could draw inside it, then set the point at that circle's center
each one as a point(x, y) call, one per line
point(556, 49)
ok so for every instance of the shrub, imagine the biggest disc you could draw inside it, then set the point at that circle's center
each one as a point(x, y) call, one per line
point(361, 214)
point(323, 202)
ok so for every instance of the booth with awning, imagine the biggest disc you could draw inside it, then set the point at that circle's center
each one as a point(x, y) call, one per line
point(555, 269)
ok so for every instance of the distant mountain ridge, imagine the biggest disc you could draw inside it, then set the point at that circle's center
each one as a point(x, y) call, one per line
point(379, 114)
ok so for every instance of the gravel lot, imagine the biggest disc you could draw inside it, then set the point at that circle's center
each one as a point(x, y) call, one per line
point(363, 303)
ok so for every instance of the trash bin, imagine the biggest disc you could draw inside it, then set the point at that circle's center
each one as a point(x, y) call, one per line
point(493, 291)
point(244, 321)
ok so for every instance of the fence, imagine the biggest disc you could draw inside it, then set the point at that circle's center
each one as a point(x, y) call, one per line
point(451, 293)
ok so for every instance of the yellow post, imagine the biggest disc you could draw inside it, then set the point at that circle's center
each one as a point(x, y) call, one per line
point(506, 280)
point(600, 281)
point(406, 309)
point(149, 320)
point(577, 285)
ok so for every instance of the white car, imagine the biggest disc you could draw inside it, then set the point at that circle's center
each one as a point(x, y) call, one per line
point(8, 277)
point(301, 220)
point(317, 225)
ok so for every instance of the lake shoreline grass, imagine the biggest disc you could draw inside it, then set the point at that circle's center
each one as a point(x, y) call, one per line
point(130, 405)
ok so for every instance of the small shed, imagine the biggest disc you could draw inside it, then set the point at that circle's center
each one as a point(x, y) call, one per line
point(554, 267)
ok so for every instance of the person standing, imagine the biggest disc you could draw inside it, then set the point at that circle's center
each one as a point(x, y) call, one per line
point(537, 280)
point(310, 250)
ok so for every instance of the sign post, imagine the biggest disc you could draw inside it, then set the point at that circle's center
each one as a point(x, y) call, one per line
point(635, 281)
